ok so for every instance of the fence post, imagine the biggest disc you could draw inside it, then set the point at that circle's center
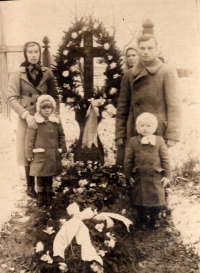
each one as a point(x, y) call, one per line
point(3, 69)
point(46, 55)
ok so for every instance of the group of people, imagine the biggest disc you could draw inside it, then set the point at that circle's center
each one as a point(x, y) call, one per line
point(147, 122)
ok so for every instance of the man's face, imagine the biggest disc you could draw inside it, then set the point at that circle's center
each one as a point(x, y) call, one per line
point(147, 51)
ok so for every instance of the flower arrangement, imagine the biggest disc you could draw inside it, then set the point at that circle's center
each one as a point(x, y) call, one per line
point(68, 70)
point(97, 196)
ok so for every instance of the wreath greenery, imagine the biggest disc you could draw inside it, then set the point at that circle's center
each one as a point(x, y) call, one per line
point(68, 70)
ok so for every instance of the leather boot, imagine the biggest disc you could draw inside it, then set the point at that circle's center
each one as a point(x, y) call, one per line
point(30, 180)
point(40, 199)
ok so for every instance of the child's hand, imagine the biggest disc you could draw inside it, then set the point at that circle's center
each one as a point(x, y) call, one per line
point(30, 159)
point(131, 182)
point(165, 181)
point(60, 150)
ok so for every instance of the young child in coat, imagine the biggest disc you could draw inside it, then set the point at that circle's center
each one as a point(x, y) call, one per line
point(147, 168)
point(44, 148)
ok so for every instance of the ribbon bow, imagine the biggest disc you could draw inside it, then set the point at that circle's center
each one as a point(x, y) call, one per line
point(90, 131)
point(76, 228)
point(151, 139)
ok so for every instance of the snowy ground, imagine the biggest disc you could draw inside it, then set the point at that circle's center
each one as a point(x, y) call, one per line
point(185, 211)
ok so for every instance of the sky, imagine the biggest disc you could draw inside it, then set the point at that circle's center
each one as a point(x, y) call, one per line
point(176, 23)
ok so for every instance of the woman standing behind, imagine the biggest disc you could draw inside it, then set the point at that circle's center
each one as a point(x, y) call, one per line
point(131, 58)
point(24, 87)
point(130, 61)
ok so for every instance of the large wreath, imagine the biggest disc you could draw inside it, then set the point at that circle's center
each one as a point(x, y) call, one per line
point(68, 70)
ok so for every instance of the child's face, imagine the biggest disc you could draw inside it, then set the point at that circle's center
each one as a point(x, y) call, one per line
point(145, 127)
point(46, 111)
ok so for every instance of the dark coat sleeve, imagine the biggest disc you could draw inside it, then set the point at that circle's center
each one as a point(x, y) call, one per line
point(61, 138)
point(123, 108)
point(129, 159)
point(164, 157)
point(173, 102)
point(29, 142)
point(53, 90)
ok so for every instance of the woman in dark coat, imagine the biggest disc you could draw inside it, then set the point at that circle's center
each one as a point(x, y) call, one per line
point(43, 147)
point(24, 87)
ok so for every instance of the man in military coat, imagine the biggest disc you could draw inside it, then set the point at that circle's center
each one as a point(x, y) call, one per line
point(150, 86)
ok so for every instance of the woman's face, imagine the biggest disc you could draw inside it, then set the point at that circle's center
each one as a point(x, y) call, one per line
point(33, 54)
point(131, 57)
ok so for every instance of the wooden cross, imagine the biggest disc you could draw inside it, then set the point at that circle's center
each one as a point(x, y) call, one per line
point(88, 52)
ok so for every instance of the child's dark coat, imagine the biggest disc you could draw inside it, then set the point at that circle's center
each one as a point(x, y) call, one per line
point(147, 164)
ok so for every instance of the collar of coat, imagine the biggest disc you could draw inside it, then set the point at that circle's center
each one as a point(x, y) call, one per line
point(22, 70)
point(40, 119)
point(140, 70)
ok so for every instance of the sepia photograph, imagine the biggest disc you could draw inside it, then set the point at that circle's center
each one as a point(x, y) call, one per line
point(100, 136)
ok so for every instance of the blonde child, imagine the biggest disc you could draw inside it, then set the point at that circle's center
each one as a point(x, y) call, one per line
point(147, 168)
point(44, 146)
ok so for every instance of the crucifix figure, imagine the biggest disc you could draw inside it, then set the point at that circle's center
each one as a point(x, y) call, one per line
point(88, 52)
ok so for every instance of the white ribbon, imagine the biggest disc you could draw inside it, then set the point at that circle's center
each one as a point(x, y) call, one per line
point(151, 139)
point(90, 131)
point(109, 222)
point(76, 228)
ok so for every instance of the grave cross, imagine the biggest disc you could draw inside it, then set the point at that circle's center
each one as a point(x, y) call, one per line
point(88, 52)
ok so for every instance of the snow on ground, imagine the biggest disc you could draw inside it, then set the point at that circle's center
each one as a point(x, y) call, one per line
point(185, 211)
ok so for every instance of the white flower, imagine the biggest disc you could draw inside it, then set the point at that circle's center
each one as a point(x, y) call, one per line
point(63, 267)
point(65, 73)
point(110, 57)
point(66, 85)
point(12, 269)
point(116, 76)
point(102, 253)
point(106, 46)
point(93, 185)
point(4, 265)
point(74, 35)
point(46, 258)
point(49, 230)
point(96, 267)
point(110, 243)
point(99, 227)
point(123, 211)
point(95, 25)
point(103, 185)
point(65, 52)
point(79, 190)
point(82, 183)
point(113, 65)
point(69, 100)
point(65, 189)
point(39, 247)
point(112, 91)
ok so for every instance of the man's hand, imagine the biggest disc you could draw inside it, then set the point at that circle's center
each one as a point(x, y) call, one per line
point(131, 182)
point(30, 159)
point(31, 122)
point(121, 141)
point(170, 143)
point(165, 181)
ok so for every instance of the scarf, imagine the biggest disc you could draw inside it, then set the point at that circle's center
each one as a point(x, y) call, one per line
point(34, 72)
point(151, 139)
